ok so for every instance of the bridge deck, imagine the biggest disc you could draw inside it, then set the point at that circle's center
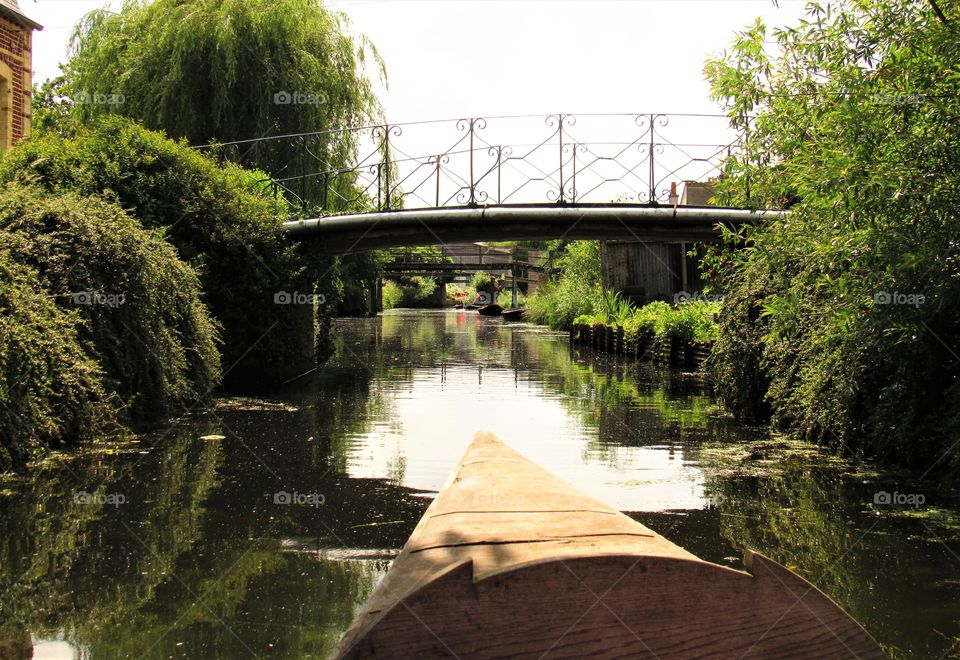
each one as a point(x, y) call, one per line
point(367, 231)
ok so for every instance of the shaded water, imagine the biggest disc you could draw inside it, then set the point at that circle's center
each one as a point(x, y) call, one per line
point(186, 545)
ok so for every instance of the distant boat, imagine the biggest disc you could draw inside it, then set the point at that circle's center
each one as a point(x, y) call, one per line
point(490, 310)
point(471, 306)
point(513, 314)
point(510, 561)
point(459, 305)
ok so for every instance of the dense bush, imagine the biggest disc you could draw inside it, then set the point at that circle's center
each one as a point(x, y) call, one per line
point(414, 291)
point(694, 322)
point(51, 390)
point(354, 278)
point(231, 235)
point(482, 281)
point(842, 317)
point(558, 302)
point(140, 304)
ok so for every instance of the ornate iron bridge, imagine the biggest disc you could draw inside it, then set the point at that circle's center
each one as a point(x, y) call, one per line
point(490, 173)
point(519, 159)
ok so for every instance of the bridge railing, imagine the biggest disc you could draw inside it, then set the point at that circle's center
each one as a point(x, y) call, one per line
point(558, 158)
point(475, 256)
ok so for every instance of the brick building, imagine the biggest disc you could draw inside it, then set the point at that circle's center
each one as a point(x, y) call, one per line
point(16, 67)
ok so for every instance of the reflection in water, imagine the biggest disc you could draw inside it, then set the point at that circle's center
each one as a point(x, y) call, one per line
point(185, 544)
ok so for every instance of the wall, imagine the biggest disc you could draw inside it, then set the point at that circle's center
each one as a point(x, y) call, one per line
point(16, 64)
point(645, 271)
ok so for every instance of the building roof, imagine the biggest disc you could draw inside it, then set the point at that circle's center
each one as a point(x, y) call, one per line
point(11, 10)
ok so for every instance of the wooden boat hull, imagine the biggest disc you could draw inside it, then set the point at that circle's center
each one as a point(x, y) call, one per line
point(514, 314)
point(490, 310)
point(509, 561)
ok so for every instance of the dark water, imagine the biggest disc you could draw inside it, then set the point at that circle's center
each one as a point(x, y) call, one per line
point(185, 549)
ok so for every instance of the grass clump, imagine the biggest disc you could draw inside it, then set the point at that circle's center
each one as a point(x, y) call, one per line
point(689, 322)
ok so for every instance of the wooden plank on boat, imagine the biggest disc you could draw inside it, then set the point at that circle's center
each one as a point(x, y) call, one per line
point(510, 561)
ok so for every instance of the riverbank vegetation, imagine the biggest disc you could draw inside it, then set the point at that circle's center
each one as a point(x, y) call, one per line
point(231, 235)
point(840, 321)
point(693, 322)
point(483, 288)
point(138, 274)
point(104, 324)
point(572, 290)
point(416, 291)
point(52, 390)
point(575, 295)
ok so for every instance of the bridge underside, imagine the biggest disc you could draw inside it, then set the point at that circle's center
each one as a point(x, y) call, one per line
point(369, 231)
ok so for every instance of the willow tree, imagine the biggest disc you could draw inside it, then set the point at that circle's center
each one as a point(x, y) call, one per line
point(218, 71)
point(842, 316)
point(227, 70)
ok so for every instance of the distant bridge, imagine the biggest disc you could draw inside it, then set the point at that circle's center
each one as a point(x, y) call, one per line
point(590, 176)
point(439, 269)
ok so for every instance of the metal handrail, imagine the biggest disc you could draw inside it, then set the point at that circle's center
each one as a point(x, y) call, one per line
point(590, 157)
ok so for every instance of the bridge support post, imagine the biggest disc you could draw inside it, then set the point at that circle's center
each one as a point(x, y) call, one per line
point(376, 296)
point(513, 277)
point(684, 279)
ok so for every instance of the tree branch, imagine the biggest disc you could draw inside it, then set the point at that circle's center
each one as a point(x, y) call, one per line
point(936, 10)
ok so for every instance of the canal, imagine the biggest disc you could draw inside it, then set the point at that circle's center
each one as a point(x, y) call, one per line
point(257, 529)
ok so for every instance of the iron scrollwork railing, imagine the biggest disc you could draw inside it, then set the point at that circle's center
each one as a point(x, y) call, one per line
point(523, 159)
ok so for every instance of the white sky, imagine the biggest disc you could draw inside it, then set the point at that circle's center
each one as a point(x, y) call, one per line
point(460, 58)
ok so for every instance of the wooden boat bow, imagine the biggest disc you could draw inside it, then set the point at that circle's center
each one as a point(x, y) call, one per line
point(510, 561)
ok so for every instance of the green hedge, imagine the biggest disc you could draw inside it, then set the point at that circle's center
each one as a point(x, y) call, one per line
point(139, 304)
point(210, 213)
point(51, 390)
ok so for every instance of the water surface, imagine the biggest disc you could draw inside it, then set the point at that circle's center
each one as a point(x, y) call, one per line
point(258, 529)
